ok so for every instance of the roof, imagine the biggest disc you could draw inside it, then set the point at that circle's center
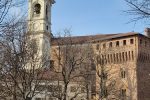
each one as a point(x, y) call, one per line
point(57, 76)
point(91, 38)
point(50, 75)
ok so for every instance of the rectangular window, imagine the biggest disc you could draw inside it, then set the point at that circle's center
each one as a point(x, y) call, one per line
point(105, 59)
point(105, 93)
point(47, 27)
point(102, 59)
point(117, 43)
point(104, 45)
point(97, 47)
point(110, 44)
point(120, 57)
point(71, 65)
point(124, 42)
point(123, 74)
point(116, 57)
point(140, 41)
point(129, 55)
point(73, 89)
point(126, 56)
point(52, 65)
point(132, 56)
point(108, 59)
point(123, 93)
point(105, 76)
point(145, 44)
point(123, 56)
point(131, 41)
point(111, 58)
point(93, 65)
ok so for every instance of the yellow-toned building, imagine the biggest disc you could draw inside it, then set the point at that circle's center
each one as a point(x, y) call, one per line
point(107, 66)
point(124, 58)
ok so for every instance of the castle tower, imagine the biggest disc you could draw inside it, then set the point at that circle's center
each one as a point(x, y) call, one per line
point(39, 27)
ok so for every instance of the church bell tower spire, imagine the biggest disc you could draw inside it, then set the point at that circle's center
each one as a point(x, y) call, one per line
point(39, 26)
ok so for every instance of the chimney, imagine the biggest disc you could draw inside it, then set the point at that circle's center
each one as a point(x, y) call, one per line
point(147, 30)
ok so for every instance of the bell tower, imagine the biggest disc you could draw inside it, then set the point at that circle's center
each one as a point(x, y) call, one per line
point(39, 26)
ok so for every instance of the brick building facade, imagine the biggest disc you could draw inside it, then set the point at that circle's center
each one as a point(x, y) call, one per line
point(127, 54)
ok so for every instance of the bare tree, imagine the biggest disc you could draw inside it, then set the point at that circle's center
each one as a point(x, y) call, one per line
point(6, 5)
point(68, 56)
point(107, 72)
point(18, 53)
point(140, 9)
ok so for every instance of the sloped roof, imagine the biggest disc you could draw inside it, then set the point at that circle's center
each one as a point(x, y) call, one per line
point(50, 75)
point(90, 38)
point(57, 76)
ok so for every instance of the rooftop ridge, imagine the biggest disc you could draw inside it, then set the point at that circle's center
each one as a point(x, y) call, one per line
point(92, 38)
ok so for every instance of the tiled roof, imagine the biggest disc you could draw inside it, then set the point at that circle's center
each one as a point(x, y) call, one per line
point(55, 76)
point(119, 35)
point(50, 75)
point(90, 38)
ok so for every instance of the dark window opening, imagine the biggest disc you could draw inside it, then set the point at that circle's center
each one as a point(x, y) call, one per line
point(122, 56)
point(140, 41)
point(129, 55)
point(123, 74)
point(97, 47)
point(145, 44)
point(37, 8)
point(105, 93)
point(124, 42)
point(117, 43)
point(111, 60)
point(131, 41)
point(110, 44)
point(105, 76)
point(71, 66)
point(108, 59)
point(132, 56)
point(114, 58)
point(93, 65)
point(52, 65)
point(123, 93)
point(126, 56)
point(104, 45)
point(46, 10)
point(117, 57)
point(105, 59)
point(47, 27)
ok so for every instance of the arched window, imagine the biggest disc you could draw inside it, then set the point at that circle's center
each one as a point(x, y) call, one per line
point(46, 12)
point(37, 9)
point(123, 94)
